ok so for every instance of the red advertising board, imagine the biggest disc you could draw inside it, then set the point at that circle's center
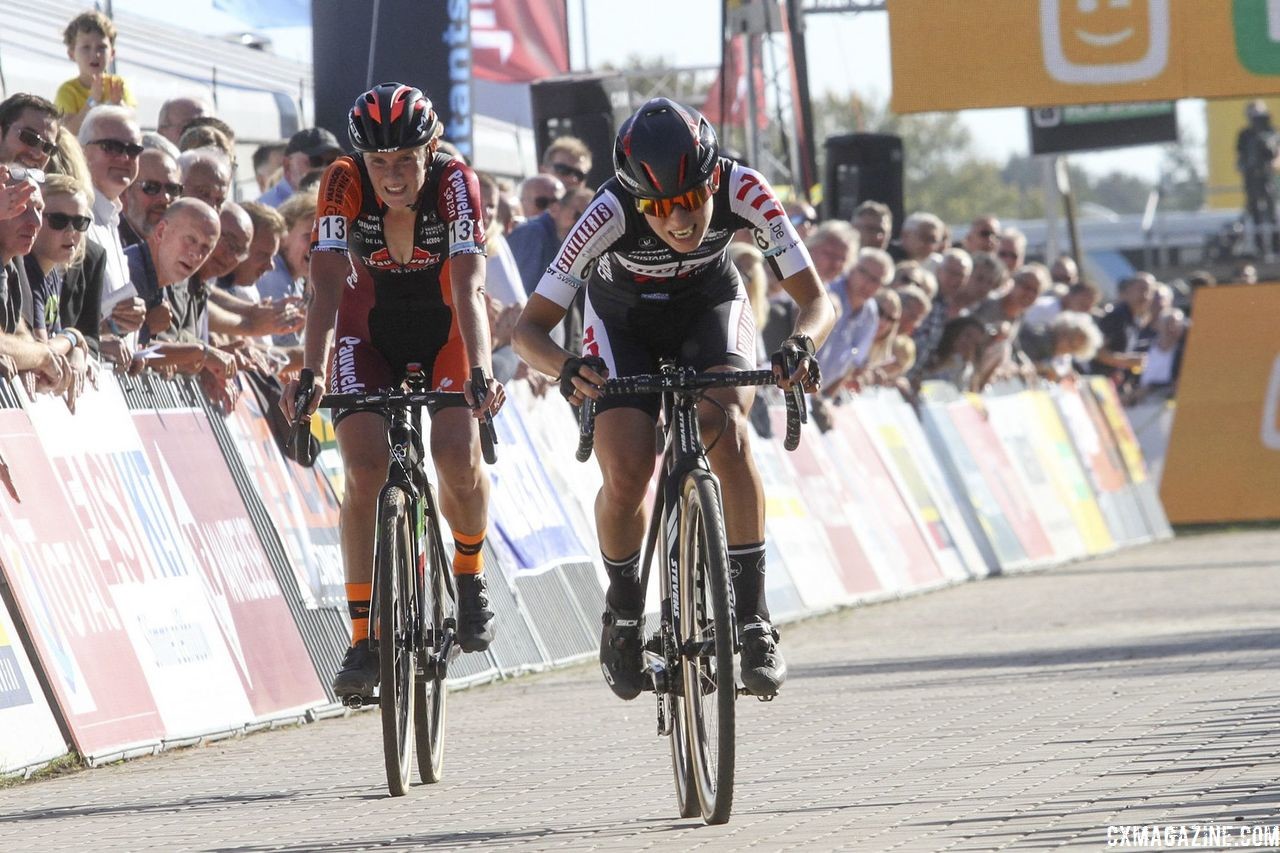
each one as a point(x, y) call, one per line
point(61, 569)
point(274, 668)
point(997, 470)
point(515, 41)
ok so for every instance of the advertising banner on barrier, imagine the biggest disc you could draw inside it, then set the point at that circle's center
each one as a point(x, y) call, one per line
point(533, 527)
point(942, 530)
point(142, 564)
point(960, 465)
point(794, 536)
point(1015, 505)
point(300, 502)
point(961, 521)
point(1104, 393)
point(254, 621)
point(29, 733)
point(1063, 466)
point(62, 557)
point(883, 511)
point(1011, 418)
point(1097, 449)
point(550, 424)
point(828, 498)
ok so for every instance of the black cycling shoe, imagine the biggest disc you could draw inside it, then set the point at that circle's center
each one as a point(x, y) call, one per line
point(475, 619)
point(763, 669)
point(621, 658)
point(358, 675)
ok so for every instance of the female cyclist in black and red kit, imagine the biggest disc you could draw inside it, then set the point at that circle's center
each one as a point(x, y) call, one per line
point(398, 256)
point(650, 249)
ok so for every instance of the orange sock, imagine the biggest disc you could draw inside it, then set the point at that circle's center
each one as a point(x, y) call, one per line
point(468, 553)
point(358, 595)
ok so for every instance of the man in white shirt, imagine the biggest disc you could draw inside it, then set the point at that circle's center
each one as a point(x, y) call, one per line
point(112, 144)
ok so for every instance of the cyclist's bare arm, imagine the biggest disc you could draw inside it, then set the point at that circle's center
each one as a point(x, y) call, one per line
point(816, 315)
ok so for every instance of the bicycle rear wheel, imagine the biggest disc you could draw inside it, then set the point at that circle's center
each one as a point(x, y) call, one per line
point(397, 619)
point(431, 689)
point(707, 634)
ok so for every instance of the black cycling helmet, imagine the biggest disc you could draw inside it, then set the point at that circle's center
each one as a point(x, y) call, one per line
point(391, 116)
point(664, 150)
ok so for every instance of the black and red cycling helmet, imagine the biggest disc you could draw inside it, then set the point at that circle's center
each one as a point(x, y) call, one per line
point(664, 150)
point(390, 117)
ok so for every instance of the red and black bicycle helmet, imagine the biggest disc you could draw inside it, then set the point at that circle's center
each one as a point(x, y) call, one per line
point(390, 117)
point(664, 150)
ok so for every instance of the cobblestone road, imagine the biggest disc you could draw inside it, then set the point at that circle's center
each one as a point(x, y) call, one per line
point(1027, 711)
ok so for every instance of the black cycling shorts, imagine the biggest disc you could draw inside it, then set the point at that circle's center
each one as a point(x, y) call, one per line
point(710, 325)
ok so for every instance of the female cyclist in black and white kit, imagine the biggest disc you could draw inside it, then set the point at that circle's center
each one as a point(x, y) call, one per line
point(650, 250)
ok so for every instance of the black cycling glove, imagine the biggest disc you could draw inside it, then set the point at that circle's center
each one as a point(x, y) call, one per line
point(794, 350)
point(570, 370)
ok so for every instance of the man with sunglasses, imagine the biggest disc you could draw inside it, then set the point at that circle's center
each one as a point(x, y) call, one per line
point(983, 235)
point(569, 159)
point(112, 143)
point(309, 150)
point(159, 184)
point(28, 128)
point(651, 251)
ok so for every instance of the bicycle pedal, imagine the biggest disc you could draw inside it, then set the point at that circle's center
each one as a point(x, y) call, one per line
point(355, 701)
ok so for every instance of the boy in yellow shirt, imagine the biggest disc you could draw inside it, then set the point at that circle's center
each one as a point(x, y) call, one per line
point(91, 43)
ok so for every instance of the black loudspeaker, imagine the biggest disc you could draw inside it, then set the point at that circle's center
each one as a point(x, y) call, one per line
point(863, 167)
point(590, 107)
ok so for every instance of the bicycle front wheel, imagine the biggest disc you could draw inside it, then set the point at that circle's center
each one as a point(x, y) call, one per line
point(432, 688)
point(397, 619)
point(706, 627)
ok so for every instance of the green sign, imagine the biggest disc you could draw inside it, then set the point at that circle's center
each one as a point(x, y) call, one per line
point(1257, 24)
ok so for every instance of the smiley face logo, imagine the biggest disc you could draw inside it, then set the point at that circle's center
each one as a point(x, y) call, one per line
point(1104, 41)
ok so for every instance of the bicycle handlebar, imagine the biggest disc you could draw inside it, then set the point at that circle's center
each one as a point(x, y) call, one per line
point(434, 401)
point(685, 381)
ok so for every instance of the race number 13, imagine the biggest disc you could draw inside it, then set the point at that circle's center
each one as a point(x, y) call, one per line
point(333, 229)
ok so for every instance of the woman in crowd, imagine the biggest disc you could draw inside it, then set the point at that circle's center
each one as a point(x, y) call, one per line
point(60, 244)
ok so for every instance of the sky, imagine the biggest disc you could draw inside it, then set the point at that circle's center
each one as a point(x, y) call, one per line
point(847, 53)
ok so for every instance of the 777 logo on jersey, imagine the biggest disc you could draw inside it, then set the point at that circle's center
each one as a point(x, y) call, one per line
point(748, 183)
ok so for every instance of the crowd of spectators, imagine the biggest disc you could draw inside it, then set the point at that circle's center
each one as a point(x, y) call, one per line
point(975, 311)
point(130, 248)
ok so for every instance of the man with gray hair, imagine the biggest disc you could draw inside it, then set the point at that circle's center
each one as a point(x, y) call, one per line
point(1013, 249)
point(177, 113)
point(922, 239)
point(874, 223)
point(849, 344)
point(112, 144)
point(832, 246)
point(206, 175)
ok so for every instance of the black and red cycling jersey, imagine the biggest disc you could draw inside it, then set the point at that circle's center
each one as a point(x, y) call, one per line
point(646, 302)
point(613, 245)
point(394, 312)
